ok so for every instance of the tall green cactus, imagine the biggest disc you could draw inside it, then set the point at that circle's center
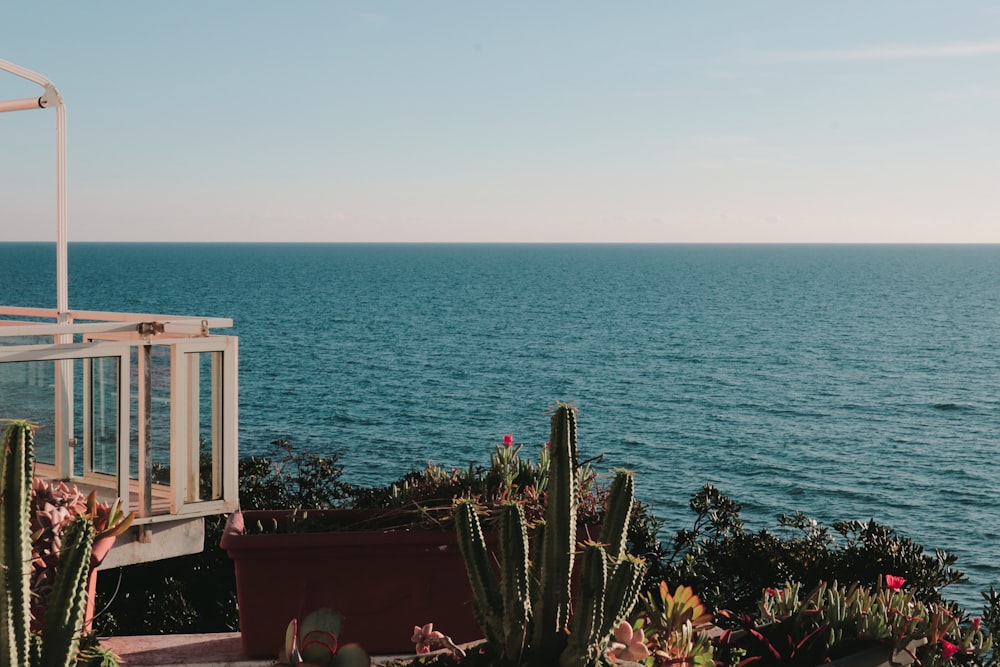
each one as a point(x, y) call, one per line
point(17, 466)
point(58, 643)
point(527, 619)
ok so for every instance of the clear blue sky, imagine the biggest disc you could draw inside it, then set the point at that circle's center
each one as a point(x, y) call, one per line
point(665, 121)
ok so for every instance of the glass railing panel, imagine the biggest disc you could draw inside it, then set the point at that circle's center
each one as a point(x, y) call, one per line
point(157, 406)
point(104, 415)
point(27, 391)
point(210, 424)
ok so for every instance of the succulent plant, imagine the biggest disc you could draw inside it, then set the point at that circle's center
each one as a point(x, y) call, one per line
point(53, 507)
point(526, 616)
point(835, 619)
point(314, 643)
point(674, 625)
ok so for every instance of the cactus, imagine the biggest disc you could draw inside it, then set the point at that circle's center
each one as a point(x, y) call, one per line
point(16, 468)
point(68, 601)
point(58, 643)
point(527, 617)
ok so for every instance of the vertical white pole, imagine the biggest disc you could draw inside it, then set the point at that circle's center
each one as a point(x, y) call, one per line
point(64, 428)
point(62, 224)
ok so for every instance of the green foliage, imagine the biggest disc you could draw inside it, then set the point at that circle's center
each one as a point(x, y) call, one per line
point(724, 562)
point(92, 654)
point(432, 492)
point(291, 480)
point(729, 566)
point(835, 620)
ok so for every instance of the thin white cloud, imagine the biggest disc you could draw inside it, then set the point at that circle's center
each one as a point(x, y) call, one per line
point(958, 50)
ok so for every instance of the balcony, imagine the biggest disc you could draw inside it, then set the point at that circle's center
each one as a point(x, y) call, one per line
point(137, 406)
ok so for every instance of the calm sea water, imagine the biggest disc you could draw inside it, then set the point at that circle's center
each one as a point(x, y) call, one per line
point(848, 382)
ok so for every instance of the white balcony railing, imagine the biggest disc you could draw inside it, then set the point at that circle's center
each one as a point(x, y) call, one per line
point(141, 407)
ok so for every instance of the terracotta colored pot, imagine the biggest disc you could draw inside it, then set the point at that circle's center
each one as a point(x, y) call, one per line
point(97, 555)
point(383, 582)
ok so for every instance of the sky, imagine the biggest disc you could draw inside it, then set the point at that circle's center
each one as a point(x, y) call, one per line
point(662, 121)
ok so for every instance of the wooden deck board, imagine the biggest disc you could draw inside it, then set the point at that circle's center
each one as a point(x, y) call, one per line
point(107, 493)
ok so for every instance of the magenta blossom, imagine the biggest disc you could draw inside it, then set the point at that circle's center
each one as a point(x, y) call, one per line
point(508, 440)
point(948, 649)
point(894, 582)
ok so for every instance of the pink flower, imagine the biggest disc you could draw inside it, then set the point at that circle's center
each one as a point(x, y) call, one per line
point(508, 440)
point(976, 622)
point(948, 649)
point(894, 582)
point(425, 638)
point(629, 644)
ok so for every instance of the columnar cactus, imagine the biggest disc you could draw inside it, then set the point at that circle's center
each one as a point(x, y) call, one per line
point(17, 467)
point(526, 618)
point(64, 613)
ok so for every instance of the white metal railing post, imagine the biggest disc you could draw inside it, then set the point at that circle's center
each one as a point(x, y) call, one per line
point(144, 428)
point(123, 459)
point(63, 369)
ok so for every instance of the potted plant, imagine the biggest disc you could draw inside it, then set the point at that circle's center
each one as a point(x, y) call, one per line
point(53, 508)
point(389, 561)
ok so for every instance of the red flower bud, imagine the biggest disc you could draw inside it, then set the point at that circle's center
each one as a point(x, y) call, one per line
point(508, 440)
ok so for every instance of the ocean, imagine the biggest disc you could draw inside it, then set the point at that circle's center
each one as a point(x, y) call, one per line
point(842, 381)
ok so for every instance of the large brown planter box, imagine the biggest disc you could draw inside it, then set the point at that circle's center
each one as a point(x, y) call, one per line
point(383, 582)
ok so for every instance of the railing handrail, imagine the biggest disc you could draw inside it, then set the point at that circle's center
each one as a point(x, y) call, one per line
point(99, 321)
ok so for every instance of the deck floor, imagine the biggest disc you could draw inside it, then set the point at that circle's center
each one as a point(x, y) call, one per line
point(160, 492)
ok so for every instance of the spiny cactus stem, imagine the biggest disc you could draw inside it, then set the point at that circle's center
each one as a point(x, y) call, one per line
point(487, 602)
point(68, 601)
point(560, 534)
point(624, 588)
point(621, 497)
point(586, 638)
point(514, 575)
point(15, 572)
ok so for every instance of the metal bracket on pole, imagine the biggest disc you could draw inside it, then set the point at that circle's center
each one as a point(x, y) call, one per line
point(149, 328)
point(50, 98)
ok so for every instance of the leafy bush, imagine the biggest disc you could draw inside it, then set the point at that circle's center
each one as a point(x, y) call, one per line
point(729, 566)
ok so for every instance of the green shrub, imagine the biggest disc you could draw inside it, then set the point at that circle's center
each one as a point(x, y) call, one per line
point(729, 566)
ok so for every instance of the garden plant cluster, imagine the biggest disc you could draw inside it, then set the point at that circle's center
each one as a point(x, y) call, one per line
point(714, 593)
